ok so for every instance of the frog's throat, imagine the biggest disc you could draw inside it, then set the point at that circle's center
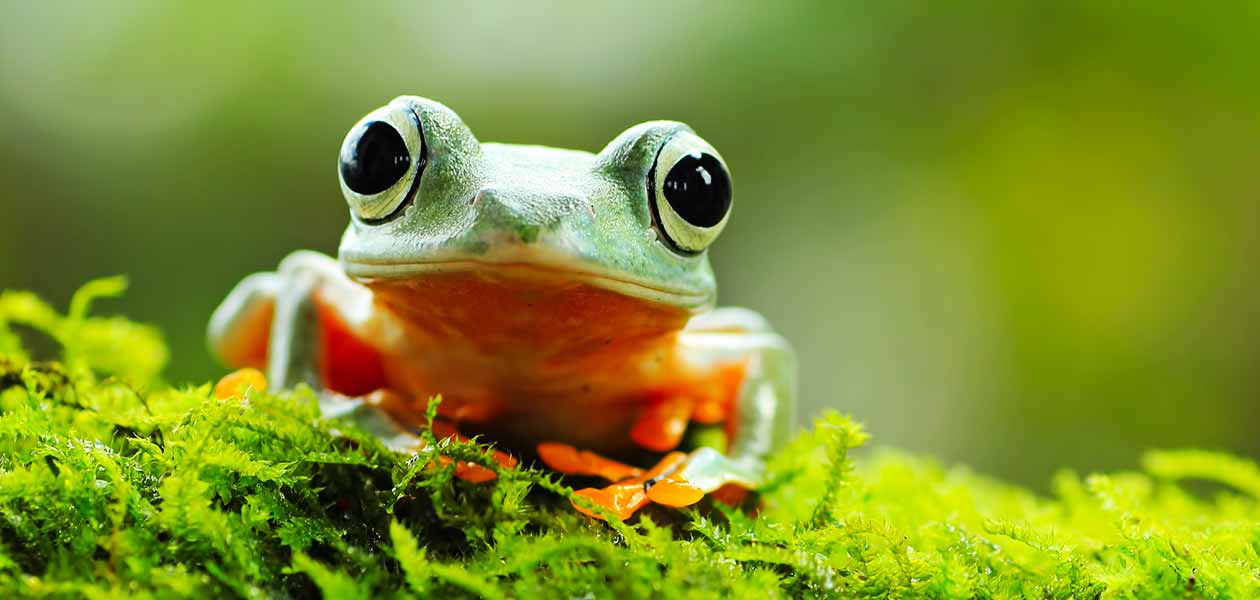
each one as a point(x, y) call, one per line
point(654, 292)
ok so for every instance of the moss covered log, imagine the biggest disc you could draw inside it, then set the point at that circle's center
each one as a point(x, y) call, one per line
point(113, 482)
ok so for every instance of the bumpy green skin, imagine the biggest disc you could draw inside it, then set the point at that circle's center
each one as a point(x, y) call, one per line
point(564, 208)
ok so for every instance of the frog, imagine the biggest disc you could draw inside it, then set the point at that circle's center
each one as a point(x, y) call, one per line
point(560, 302)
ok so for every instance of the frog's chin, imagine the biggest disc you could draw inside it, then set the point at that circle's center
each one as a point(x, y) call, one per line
point(376, 270)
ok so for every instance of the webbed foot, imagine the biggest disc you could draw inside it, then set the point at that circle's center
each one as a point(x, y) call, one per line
point(659, 484)
point(677, 480)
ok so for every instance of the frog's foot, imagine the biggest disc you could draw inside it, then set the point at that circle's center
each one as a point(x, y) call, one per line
point(678, 480)
point(374, 413)
point(659, 484)
point(383, 414)
point(468, 470)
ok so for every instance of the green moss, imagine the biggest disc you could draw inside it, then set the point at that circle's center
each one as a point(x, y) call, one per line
point(112, 482)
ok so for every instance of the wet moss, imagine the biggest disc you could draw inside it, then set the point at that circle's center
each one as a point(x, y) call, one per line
point(113, 482)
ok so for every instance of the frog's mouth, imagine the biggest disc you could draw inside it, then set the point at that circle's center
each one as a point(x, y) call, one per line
point(367, 270)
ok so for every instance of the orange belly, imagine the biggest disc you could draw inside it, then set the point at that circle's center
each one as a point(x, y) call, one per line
point(525, 357)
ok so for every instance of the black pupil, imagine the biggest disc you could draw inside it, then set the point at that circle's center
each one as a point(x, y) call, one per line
point(376, 161)
point(699, 190)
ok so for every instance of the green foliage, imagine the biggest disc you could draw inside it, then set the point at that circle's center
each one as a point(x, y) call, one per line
point(113, 484)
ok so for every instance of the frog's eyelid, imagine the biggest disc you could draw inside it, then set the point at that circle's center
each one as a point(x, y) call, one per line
point(635, 148)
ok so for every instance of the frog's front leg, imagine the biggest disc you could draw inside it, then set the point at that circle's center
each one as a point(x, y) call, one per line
point(306, 323)
point(765, 407)
point(296, 323)
point(758, 420)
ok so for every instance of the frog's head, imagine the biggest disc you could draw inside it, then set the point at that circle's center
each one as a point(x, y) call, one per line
point(427, 199)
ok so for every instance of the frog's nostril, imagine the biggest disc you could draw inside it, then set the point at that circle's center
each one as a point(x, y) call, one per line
point(489, 199)
point(495, 207)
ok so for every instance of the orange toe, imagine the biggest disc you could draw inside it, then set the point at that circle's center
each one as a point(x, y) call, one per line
point(622, 500)
point(504, 459)
point(674, 492)
point(235, 383)
point(561, 457)
point(469, 471)
point(474, 473)
point(571, 461)
point(662, 425)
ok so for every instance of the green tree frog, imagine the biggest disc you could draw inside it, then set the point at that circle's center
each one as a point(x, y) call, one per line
point(560, 302)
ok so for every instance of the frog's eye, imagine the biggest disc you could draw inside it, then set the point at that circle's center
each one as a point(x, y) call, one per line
point(690, 193)
point(381, 161)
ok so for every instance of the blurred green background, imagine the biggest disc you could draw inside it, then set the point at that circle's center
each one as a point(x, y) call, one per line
point(1018, 235)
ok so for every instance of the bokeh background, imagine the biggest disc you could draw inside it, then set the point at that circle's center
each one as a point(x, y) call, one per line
point(1017, 235)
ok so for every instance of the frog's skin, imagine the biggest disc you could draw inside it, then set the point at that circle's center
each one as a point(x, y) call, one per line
point(556, 299)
